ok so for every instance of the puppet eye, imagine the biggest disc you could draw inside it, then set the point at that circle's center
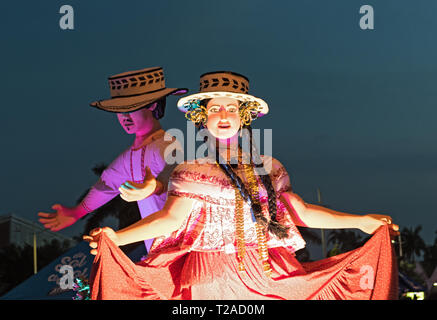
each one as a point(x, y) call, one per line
point(214, 109)
point(232, 108)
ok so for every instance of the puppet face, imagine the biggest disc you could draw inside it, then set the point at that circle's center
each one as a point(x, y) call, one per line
point(137, 122)
point(223, 117)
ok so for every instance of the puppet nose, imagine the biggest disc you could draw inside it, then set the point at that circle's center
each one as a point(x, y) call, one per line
point(223, 114)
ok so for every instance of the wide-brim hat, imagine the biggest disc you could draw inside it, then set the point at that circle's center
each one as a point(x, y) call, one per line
point(133, 90)
point(219, 84)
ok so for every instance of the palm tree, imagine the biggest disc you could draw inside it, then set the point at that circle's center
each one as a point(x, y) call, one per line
point(16, 261)
point(309, 235)
point(430, 258)
point(344, 240)
point(413, 244)
point(303, 255)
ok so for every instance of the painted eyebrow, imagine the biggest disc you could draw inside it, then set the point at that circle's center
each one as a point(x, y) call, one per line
point(218, 106)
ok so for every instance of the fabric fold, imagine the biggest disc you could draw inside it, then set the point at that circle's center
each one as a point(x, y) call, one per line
point(366, 273)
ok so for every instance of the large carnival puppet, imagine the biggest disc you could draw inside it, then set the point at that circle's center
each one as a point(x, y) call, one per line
point(228, 229)
point(138, 98)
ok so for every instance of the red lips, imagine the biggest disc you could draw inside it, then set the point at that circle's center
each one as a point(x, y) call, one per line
point(224, 125)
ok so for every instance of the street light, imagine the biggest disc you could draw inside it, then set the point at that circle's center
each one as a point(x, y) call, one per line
point(400, 245)
point(35, 264)
point(34, 254)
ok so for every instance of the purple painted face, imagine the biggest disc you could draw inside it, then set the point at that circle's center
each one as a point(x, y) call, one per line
point(137, 122)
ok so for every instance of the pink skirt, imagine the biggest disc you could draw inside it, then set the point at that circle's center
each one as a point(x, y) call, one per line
point(366, 273)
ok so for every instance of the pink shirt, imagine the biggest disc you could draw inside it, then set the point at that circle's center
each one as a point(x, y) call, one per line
point(130, 165)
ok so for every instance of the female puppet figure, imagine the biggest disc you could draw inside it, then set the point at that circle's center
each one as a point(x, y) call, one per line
point(228, 227)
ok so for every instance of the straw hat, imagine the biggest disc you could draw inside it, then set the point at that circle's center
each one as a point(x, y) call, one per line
point(133, 90)
point(219, 84)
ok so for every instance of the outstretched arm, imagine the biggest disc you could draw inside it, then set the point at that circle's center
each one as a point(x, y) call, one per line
point(64, 216)
point(103, 191)
point(314, 216)
point(163, 222)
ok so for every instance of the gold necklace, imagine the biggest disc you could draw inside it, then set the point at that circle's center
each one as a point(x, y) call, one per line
point(239, 223)
point(260, 230)
point(239, 229)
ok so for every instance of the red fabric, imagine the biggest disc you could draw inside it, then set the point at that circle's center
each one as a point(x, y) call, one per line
point(368, 272)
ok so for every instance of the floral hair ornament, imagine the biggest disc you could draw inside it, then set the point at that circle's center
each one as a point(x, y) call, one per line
point(248, 112)
point(195, 112)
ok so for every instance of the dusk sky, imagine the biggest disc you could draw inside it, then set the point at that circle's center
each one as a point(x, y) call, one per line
point(352, 111)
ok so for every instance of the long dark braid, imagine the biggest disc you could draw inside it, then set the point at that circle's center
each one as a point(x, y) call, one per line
point(255, 206)
point(274, 226)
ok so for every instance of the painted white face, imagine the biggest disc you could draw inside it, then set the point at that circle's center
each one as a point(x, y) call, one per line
point(223, 117)
point(137, 122)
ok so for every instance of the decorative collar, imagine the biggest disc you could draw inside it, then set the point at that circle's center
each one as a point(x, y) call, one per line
point(154, 136)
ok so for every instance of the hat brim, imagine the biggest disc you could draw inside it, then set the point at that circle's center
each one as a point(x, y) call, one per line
point(263, 107)
point(134, 103)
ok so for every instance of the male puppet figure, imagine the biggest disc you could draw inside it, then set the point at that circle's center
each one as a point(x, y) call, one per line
point(138, 98)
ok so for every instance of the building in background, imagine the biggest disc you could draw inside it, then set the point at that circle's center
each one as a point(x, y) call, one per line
point(19, 231)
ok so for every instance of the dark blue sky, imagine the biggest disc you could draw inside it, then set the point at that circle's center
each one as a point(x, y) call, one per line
point(353, 112)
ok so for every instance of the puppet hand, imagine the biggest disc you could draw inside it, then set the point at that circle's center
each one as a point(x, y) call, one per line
point(371, 222)
point(94, 236)
point(62, 218)
point(131, 191)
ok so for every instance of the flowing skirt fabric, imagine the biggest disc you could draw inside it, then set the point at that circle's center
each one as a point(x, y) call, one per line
point(366, 273)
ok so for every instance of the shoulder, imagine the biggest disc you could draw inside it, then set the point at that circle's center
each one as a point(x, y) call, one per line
point(166, 146)
point(120, 159)
point(164, 140)
point(118, 168)
point(278, 174)
point(273, 166)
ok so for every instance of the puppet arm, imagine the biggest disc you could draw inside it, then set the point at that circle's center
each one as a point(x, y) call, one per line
point(314, 216)
point(163, 222)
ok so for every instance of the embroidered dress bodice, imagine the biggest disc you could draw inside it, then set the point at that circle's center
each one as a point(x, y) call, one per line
point(211, 224)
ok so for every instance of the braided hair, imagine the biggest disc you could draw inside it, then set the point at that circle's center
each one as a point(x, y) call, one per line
point(247, 196)
point(274, 226)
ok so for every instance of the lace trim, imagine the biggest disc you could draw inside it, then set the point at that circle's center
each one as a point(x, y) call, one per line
point(190, 176)
point(212, 200)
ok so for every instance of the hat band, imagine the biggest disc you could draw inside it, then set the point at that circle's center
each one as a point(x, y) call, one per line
point(137, 94)
point(223, 82)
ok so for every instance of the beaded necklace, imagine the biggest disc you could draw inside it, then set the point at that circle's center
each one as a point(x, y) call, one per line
point(143, 168)
point(260, 230)
point(143, 147)
point(239, 224)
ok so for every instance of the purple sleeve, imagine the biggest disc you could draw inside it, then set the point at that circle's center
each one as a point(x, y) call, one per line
point(106, 188)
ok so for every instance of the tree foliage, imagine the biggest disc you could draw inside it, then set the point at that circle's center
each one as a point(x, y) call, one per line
point(16, 262)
